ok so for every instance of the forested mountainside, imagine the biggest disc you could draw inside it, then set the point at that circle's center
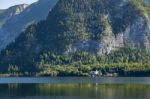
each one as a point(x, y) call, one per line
point(16, 24)
point(83, 35)
point(6, 14)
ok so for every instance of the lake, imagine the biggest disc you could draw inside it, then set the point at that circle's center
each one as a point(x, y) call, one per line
point(75, 88)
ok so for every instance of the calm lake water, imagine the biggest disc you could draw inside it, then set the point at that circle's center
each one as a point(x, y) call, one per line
point(75, 88)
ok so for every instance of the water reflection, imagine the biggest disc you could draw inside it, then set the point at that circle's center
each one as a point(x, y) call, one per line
point(74, 91)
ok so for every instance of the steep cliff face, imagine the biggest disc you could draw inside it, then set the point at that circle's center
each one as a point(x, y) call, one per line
point(16, 24)
point(127, 23)
point(135, 32)
point(138, 33)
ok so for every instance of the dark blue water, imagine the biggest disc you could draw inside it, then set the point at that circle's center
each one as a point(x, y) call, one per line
point(75, 88)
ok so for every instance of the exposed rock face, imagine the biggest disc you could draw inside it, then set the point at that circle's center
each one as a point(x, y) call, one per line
point(23, 18)
point(135, 32)
point(109, 43)
point(138, 33)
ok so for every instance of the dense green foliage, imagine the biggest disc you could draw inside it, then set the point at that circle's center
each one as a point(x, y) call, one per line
point(125, 62)
point(40, 50)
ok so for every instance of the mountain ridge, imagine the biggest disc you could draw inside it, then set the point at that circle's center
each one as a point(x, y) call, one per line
point(6, 14)
point(80, 33)
point(15, 25)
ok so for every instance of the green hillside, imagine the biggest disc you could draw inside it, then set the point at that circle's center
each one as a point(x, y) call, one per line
point(69, 41)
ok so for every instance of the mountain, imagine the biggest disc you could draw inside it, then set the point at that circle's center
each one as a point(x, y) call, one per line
point(84, 32)
point(15, 24)
point(96, 28)
point(6, 14)
point(147, 1)
point(1, 12)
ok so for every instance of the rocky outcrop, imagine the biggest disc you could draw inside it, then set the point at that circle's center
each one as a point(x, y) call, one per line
point(138, 33)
